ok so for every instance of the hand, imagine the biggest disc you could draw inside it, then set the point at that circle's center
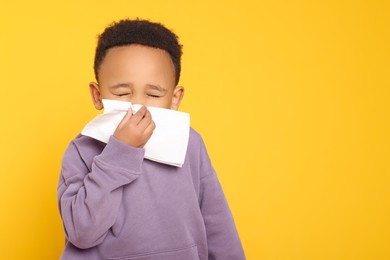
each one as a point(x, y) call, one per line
point(135, 130)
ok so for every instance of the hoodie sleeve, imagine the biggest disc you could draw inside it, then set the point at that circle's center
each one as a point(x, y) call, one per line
point(90, 197)
point(222, 237)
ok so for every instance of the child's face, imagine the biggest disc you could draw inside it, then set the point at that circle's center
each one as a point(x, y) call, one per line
point(138, 74)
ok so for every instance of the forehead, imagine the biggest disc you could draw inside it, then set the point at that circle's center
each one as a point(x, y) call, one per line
point(137, 61)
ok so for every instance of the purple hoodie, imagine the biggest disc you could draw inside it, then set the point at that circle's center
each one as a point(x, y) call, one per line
point(115, 204)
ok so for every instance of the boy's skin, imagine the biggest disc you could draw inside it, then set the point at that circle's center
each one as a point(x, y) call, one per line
point(140, 75)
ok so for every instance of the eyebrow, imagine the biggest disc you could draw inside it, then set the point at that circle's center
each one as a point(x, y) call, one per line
point(156, 87)
point(150, 86)
point(120, 85)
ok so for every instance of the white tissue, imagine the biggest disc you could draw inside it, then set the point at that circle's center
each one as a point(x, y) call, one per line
point(169, 141)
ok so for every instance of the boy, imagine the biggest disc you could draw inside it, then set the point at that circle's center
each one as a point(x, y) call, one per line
point(114, 203)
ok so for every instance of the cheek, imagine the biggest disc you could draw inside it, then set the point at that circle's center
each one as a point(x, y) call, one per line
point(161, 103)
point(107, 94)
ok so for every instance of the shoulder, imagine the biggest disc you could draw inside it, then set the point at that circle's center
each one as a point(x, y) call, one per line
point(197, 153)
point(88, 144)
point(195, 142)
point(195, 137)
point(82, 148)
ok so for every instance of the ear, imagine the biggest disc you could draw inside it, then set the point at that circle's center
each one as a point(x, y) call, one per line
point(96, 96)
point(178, 94)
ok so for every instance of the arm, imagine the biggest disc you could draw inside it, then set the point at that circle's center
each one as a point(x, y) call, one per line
point(90, 201)
point(90, 198)
point(222, 237)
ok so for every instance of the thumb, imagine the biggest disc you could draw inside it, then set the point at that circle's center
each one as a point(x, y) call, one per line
point(126, 118)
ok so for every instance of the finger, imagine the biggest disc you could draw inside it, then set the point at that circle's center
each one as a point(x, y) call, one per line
point(137, 117)
point(126, 118)
point(146, 120)
point(150, 129)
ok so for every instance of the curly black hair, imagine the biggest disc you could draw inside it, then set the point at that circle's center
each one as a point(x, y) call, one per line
point(143, 32)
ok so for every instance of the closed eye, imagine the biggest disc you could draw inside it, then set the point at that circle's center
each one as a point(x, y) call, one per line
point(124, 94)
point(153, 96)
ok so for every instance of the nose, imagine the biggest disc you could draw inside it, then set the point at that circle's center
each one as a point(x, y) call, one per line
point(138, 99)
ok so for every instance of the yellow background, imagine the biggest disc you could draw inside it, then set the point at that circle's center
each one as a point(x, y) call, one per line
point(291, 97)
